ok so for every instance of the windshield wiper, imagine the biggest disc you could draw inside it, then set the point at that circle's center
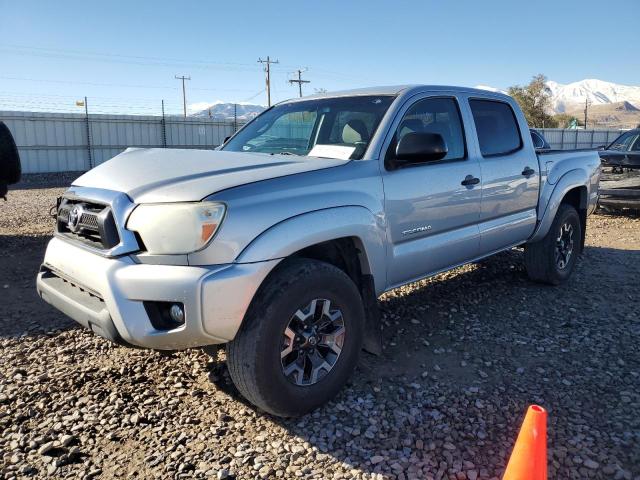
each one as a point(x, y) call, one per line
point(284, 153)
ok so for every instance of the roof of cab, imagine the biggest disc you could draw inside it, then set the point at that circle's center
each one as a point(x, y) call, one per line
point(397, 90)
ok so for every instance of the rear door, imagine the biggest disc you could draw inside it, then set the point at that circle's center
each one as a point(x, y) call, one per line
point(510, 175)
point(432, 216)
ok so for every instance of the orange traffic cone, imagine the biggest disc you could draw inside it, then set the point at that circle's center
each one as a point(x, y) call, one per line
point(529, 457)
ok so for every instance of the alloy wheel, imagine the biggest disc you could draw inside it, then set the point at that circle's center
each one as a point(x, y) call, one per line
point(312, 342)
point(564, 246)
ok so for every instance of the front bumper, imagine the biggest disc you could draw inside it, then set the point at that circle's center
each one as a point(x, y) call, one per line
point(107, 295)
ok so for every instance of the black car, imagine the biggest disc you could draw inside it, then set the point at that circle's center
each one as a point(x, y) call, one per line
point(10, 169)
point(623, 152)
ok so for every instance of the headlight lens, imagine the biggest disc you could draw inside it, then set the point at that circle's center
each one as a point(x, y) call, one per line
point(176, 228)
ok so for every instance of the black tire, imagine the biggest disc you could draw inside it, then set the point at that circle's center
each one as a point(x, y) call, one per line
point(540, 257)
point(253, 357)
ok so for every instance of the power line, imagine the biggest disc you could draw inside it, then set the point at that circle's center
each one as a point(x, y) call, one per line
point(155, 61)
point(117, 58)
point(184, 92)
point(125, 85)
point(85, 53)
point(92, 84)
point(299, 81)
point(253, 96)
point(20, 101)
point(267, 70)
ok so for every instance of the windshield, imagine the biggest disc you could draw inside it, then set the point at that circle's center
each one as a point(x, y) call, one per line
point(329, 127)
point(626, 142)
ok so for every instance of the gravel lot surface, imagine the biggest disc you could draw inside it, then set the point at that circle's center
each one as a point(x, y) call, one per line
point(465, 353)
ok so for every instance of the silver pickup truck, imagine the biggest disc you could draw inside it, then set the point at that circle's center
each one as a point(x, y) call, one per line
point(279, 243)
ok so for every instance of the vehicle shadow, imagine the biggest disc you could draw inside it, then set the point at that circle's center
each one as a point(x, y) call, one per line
point(470, 330)
point(472, 284)
point(23, 312)
point(36, 181)
point(379, 413)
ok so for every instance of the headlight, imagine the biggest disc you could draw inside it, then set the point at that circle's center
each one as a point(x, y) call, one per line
point(175, 228)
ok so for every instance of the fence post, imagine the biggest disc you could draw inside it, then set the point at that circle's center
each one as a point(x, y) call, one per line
point(592, 132)
point(235, 118)
point(562, 140)
point(88, 126)
point(575, 145)
point(164, 128)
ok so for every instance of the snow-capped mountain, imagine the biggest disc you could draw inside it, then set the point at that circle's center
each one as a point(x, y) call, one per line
point(596, 92)
point(225, 111)
point(570, 96)
point(564, 97)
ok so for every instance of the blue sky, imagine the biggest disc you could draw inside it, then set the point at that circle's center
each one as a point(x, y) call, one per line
point(123, 55)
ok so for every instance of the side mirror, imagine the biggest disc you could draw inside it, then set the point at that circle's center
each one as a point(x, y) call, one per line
point(420, 148)
point(601, 147)
point(10, 168)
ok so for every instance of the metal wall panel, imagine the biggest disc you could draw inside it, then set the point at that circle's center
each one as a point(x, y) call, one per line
point(57, 142)
point(48, 142)
point(567, 139)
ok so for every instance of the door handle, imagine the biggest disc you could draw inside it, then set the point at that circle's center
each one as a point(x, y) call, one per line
point(528, 171)
point(470, 180)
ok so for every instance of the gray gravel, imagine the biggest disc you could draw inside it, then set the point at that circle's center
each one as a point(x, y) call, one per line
point(465, 353)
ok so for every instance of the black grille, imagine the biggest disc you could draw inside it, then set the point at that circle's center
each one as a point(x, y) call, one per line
point(88, 222)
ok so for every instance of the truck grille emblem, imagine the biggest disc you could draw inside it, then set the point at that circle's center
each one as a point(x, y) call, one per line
point(75, 215)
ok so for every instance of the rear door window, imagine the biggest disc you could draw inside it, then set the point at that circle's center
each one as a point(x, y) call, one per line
point(497, 127)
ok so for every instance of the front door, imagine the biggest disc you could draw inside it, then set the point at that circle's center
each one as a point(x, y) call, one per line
point(432, 209)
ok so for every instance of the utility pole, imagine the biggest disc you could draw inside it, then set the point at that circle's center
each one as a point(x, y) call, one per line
point(586, 109)
point(184, 92)
point(267, 69)
point(299, 81)
point(86, 116)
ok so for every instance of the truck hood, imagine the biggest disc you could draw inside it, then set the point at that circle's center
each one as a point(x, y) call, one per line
point(155, 175)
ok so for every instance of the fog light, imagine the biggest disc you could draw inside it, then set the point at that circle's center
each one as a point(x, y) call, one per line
point(176, 313)
point(165, 315)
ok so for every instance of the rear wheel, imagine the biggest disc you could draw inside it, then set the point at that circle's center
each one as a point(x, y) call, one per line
point(300, 339)
point(552, 259)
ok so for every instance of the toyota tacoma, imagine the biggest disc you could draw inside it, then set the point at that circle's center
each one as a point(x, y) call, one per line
point(279, 242)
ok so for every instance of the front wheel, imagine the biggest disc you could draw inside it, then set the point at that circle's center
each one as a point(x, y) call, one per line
point(300, 339)
point(552, 259)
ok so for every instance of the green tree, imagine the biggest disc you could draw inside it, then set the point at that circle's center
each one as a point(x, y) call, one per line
point(565, 120)
point(535, 101)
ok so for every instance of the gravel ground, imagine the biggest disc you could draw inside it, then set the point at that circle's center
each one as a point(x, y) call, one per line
point(465, 353)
